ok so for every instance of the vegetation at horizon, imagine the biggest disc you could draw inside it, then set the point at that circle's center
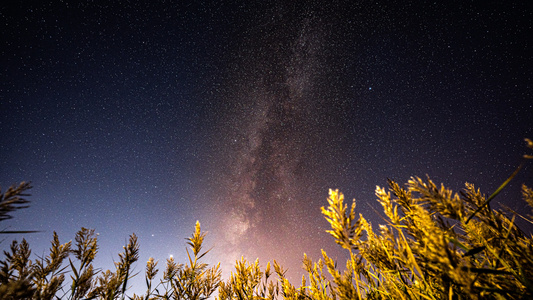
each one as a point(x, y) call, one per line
point(435, 244)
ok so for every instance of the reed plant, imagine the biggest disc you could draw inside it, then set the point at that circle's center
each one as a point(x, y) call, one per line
point(434, 244)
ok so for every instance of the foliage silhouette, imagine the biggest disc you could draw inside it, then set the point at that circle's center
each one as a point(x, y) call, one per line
point(12, 200)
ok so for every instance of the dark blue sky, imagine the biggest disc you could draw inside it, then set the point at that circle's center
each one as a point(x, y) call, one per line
point(144, 118)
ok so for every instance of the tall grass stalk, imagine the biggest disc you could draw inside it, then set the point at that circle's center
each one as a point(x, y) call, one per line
point(435, 244)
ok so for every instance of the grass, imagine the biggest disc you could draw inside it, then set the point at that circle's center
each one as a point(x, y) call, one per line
point(435, 244)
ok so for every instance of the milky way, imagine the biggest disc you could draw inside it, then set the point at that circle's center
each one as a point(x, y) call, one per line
point(272, 135)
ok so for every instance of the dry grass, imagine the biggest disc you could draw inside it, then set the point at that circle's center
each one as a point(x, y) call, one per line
point(435, 244)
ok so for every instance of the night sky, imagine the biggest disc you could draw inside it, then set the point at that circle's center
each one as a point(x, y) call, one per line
point(145, 117)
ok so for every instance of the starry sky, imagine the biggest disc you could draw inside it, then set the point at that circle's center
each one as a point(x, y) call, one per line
point(145, 117)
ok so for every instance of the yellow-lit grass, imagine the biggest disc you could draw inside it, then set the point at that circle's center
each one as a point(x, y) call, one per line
point(435, 244)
